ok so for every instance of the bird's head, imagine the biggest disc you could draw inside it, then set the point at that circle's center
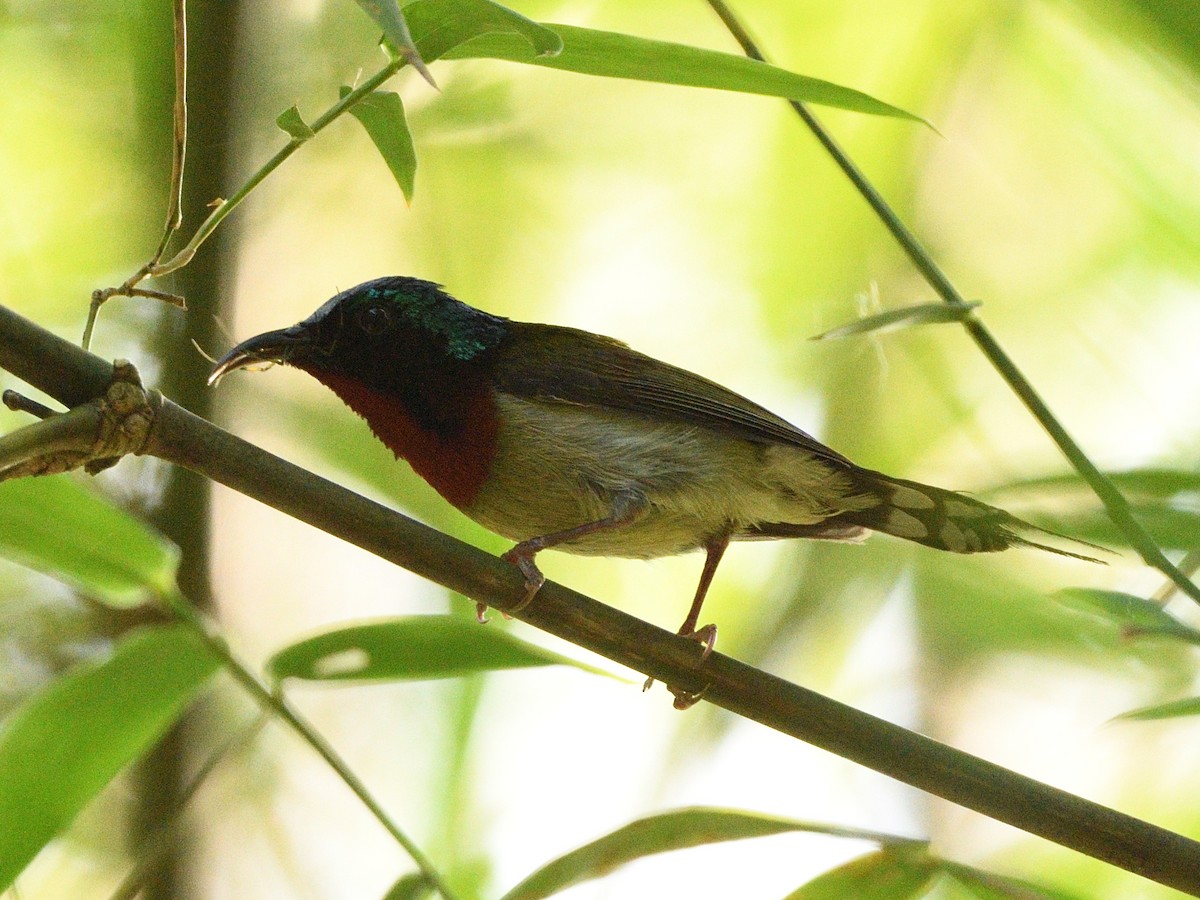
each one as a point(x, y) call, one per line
point(384, 333)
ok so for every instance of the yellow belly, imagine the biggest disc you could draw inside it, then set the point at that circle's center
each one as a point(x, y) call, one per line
point(558, 466)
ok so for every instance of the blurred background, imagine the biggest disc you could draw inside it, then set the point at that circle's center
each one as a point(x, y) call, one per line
point(707, 229)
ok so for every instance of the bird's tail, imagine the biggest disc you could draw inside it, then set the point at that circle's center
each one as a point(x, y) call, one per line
point(944, 519)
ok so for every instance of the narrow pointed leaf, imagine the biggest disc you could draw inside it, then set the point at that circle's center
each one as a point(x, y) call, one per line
point(413, 886)
point(63, 745)
point(1174, 710)
point(438, 26)
point(675, 830)
point(293, 123)
point(382, 115)
point(1126, 610)
point(896, 319)
point(1151, 482)
point(411, 647)
point(893, 873)
point(391, 21)
point(58, 526)
point(990, 886)
point(1171, 527)
point(591, 52)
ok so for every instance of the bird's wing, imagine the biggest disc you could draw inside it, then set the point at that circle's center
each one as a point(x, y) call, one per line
point(548, 362)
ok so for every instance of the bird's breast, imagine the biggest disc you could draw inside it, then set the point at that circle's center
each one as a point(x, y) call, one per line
point(455, 461)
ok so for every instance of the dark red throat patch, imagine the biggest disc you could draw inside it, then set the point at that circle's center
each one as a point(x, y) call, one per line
point(456, 466)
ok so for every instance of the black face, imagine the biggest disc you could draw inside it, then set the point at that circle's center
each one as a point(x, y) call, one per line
point(399, 336)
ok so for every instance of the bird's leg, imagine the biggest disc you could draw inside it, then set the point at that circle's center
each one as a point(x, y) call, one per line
point(714, 550)
point(625, 508)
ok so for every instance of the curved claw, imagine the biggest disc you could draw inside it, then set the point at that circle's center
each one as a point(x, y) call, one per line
point(707, 638)
point(522, 556)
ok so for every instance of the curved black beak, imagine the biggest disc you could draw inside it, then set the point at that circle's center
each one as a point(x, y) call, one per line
point(271, 346)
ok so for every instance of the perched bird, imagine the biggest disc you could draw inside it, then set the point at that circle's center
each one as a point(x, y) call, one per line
point(556, 437)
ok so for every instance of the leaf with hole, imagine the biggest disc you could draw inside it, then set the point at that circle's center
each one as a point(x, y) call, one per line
point(58, 526)
point(408, 648)
point(59, 748)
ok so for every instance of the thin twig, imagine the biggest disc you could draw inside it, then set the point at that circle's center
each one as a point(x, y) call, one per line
point(20, 403)
point(71, 434)
point(1114, 502)
point(174, 219)
point(179, 131)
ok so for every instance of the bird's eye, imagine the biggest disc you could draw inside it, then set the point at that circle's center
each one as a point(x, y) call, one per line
point(374, 319)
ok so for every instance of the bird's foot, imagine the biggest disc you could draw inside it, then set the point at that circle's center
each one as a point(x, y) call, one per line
point(522, 556)
point(707, 637)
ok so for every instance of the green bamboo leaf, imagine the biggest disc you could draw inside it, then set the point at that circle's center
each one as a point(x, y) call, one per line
point(410, 647)
point(1126, 610)
point(896, 319)
point(675, 830)
point(389, 18)
point(613, 55)
point(893, 873)
point(990, 886)
point(1171, 526)
point(58, 526)
point(1173, 710)
point(413, 886)
point(439, 26)
point(382, 115)
point(293, 123)
point(59, 748)
point(1160, 483)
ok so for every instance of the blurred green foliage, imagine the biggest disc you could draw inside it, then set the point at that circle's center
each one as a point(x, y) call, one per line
point(708, 229)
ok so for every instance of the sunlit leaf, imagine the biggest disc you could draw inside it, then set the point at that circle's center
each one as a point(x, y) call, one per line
point(413, 886)
point(990, 886)
point(896, 319)
point(1171, 25)
point(1173, 710)
point(293, 123)
point(1171, 527)
point(439, 26)
point(613, 55)
point(63, 745)
point(57, 526)
point(675, 830)
point(1126, 610)
point(382, 115)
point(1151, 482)
point(411, 647)
point(391, 21)
point(893, 873)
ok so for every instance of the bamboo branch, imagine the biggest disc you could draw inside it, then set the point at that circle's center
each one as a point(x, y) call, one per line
point(182, 438)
